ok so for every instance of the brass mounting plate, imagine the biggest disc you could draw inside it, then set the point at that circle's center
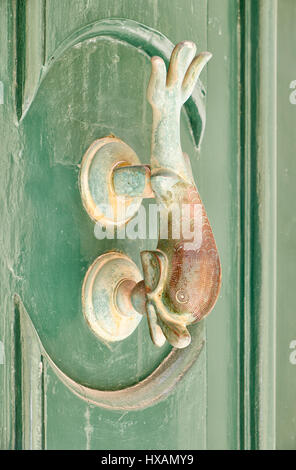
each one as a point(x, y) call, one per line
point(99, 296)
point(100, 201)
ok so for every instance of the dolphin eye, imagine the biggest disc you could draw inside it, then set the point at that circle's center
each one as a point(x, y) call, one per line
point(182, 296)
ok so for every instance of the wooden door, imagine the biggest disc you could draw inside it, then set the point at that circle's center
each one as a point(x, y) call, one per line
point(75, 71)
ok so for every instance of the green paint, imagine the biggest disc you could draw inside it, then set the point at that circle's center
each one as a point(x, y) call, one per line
point(97, 88)
point(286, 226)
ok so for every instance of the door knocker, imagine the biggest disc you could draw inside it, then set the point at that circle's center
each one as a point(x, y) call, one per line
point(182, 277)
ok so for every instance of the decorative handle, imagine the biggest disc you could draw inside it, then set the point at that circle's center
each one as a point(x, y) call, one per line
point(182, 276)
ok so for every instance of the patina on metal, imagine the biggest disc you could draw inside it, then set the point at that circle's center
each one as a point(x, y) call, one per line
point(96, 181)
point(181, 284)
point(110, 314)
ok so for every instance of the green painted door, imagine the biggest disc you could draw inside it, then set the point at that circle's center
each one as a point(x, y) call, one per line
point(72, 71)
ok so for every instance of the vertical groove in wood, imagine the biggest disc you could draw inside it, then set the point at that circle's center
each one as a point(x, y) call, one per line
point(20, 41)
point(43, 404)
point(29, 385)
point(18, 431)
point(243, 173)
point(8, 211)
point(258, 223)
point(240, 284)
point(44, 24)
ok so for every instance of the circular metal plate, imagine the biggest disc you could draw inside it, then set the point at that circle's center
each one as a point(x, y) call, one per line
point(98, 296)
point(96, 185)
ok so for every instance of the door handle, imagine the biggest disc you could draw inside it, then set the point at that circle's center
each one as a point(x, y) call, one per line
point(182, 277)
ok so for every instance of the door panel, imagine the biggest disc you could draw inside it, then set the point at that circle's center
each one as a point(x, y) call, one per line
point(82, 92)
point(68, 81)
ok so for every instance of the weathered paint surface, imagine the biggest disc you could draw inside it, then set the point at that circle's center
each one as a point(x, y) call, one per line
point(58, 122)
point(48, 240)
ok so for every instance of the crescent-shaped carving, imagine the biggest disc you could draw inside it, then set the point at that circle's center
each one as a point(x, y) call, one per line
point(159, 383)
